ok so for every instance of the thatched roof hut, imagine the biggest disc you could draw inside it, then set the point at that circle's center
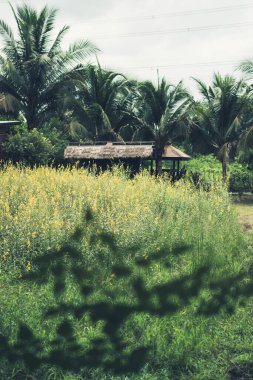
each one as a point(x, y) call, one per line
point(129, 154)
point(112, 151)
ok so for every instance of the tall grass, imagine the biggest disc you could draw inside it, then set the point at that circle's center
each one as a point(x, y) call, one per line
point(40, 209)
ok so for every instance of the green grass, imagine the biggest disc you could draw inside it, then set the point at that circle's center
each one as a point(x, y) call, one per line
point(41, 208)
point(244, 208)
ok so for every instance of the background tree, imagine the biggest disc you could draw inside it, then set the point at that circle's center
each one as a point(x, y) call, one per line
point(103, 106)
point(33, 67)
point(245, 146)
point(162, 114)
point(220, 114)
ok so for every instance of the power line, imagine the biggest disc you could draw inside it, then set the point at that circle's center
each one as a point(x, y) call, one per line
point(163, 15)
point(178, 65)
point(175, 30)
point(13, 2)
point(174, 14)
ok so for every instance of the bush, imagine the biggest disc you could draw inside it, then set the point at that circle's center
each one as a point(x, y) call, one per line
point(29, 147)
point(240, 182)
point(37, 147)
point(204, 165)
point(206, 170)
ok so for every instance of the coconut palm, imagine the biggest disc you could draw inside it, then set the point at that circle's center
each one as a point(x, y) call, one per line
point(245, 146)
point(220, 114)
point(33, 67)
point(162, 114)
point(103, 107)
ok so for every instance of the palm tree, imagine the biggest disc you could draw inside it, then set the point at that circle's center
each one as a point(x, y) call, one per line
point(103, 106)
point(220, 114)
point(33, 67)
point(162, 114)
point(245, 146)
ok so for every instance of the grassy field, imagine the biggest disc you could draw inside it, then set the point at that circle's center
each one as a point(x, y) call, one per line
point(144, 217)
point(244, 208)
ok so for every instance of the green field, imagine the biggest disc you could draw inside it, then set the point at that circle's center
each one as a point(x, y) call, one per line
point(158, 231)
point(244, 208)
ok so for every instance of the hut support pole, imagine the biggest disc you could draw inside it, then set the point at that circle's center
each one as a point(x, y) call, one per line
point(173, 169)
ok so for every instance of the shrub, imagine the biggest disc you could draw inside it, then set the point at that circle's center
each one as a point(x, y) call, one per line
point(28, 147)
point(206, 170)
point(240, 179)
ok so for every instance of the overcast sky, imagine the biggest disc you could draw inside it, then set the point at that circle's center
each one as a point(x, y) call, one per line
point(182, 38)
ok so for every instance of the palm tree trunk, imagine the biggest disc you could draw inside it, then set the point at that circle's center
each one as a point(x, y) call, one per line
point(158, 166)
point(225, 160)
point(159, 149)
point(31, 125)
point(224, 170)
point(31, 121)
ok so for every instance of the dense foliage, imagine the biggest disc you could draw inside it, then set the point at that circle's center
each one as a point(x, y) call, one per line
point(205, 170)
point(41, 81)
point(162, 114)
point(36, 147)
point(102, 107)
point(220, 115)
point(34, 70)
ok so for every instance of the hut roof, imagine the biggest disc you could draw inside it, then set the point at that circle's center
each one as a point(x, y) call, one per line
point(8, 123)
point(171, 152)
point(108, 151)
point(120, 150)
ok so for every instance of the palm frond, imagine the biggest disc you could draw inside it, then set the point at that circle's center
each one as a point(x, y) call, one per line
point(9, 104)
point(79, 131)
point(246, 140)
point(246, 66)
point(79, 50)
point(57, 42)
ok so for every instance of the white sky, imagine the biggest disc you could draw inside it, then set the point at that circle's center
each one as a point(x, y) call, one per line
point(178, 54)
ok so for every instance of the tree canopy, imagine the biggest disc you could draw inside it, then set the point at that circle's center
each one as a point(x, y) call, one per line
point(33, 66)
point(220, 114)
point(42, 82)
point(102, 106)
point(162, 113)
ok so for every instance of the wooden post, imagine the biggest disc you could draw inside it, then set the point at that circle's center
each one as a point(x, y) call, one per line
point(173, 169)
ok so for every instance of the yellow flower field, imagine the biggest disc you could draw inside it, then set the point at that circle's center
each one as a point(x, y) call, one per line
point(40, 207)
